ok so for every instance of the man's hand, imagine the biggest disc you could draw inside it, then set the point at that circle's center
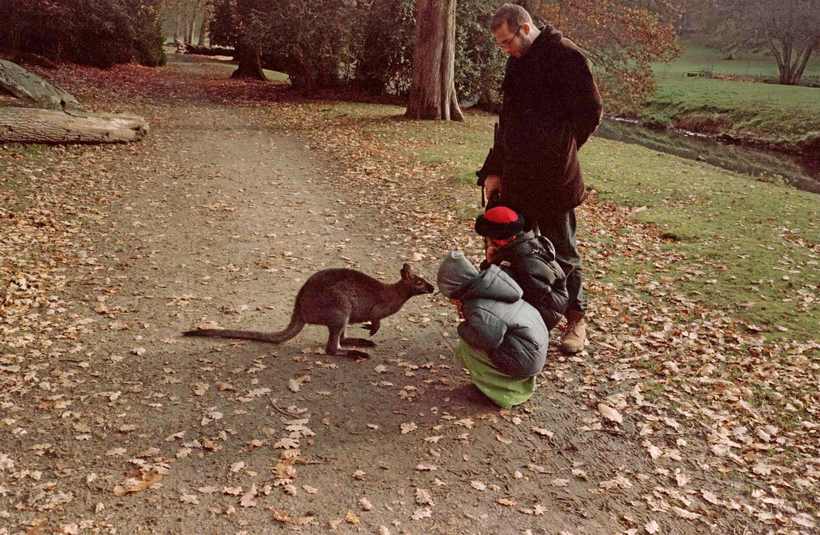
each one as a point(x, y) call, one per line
point(492, 186)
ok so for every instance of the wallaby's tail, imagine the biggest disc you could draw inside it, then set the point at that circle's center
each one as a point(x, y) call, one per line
point(289, 332)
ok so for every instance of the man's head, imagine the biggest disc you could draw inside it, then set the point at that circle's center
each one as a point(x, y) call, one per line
point(513, 29)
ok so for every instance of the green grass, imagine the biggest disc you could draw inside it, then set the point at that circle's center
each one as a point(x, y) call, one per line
point(788, 116)
point(697, 58)
point(758, 242)
point(755, 244)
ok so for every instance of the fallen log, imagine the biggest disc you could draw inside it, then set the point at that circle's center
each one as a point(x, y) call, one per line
point(32, 125)
point(63, 120)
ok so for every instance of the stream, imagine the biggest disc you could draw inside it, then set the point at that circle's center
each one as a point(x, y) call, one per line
point(757, 164)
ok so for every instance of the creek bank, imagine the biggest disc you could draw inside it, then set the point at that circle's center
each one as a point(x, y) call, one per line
point(718, 127)
point(759, 162)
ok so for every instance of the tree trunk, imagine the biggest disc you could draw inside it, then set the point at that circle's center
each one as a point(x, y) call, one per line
point(803, 61)
point(190, 23)
point(203, 30)
point(178, 38)
point(32, 125)
point(433, 91)
point(250, 62)
point(28, 86)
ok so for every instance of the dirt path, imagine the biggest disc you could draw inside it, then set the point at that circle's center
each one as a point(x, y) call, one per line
point(220, 218)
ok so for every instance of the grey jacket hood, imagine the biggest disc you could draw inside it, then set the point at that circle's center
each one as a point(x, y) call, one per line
point(458, 278)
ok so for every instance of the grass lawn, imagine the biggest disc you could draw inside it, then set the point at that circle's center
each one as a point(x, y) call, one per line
point(696, 57)
point(750, 248)
point(788, 116)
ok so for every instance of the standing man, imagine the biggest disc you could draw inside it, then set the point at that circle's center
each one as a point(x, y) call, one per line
point(551, 106)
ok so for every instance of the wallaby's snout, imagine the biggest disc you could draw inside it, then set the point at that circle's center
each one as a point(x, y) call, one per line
point(425, 287)
point(418, 285)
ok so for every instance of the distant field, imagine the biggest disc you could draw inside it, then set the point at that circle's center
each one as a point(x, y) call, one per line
point(699, 58)
point(788, 116)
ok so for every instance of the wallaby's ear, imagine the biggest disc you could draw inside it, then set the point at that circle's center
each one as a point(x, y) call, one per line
point(406, 271)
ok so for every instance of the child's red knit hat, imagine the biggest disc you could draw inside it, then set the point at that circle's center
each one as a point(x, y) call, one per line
point(499, 222)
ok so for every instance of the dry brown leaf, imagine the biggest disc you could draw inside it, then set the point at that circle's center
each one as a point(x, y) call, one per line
point(408, 427)
point(137, 484)
point(423, 497)
point(249, 498)
point(654, 451)
point(610, 414)
point(285, 518)
point(365, 504)
point(542, 432)
point(189, 498)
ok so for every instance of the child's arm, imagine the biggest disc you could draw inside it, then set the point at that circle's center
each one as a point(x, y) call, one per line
point(543, 279)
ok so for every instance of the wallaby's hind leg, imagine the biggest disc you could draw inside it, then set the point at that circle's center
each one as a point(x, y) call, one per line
point(335, 338)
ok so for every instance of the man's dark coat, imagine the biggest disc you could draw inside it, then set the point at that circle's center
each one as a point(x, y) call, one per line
point(551, 106)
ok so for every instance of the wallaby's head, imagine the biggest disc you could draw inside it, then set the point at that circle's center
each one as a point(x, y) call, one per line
point(416, 284)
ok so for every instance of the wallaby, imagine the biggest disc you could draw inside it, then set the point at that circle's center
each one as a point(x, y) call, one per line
point(337, 298)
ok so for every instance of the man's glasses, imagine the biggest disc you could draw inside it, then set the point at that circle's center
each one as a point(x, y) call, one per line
point(508, 41)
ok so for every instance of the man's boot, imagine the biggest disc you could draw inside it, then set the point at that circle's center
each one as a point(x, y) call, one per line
point(575, 333)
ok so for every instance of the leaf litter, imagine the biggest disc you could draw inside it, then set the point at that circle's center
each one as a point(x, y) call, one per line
point(692, 378)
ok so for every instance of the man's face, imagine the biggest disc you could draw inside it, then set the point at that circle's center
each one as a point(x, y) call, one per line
point(510, 40)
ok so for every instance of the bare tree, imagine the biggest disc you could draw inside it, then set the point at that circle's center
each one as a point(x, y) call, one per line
point(790, 29)
point(433, 90)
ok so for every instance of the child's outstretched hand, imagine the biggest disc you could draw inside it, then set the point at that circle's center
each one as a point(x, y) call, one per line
point(459, 307)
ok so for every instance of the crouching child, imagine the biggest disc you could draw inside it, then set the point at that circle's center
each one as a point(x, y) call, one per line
point(528, 258)
point(503, 340)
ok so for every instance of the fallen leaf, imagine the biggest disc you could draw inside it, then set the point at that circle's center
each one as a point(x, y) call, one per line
point(542, 432)
point(609, 413)
point(408, 427)
point(249, 498)
point(683, 513)
point(423, 497)
point(654, 451)
point(133, 484)
point(237, 466)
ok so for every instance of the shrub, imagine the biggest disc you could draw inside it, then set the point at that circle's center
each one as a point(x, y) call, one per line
point(94, 32)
